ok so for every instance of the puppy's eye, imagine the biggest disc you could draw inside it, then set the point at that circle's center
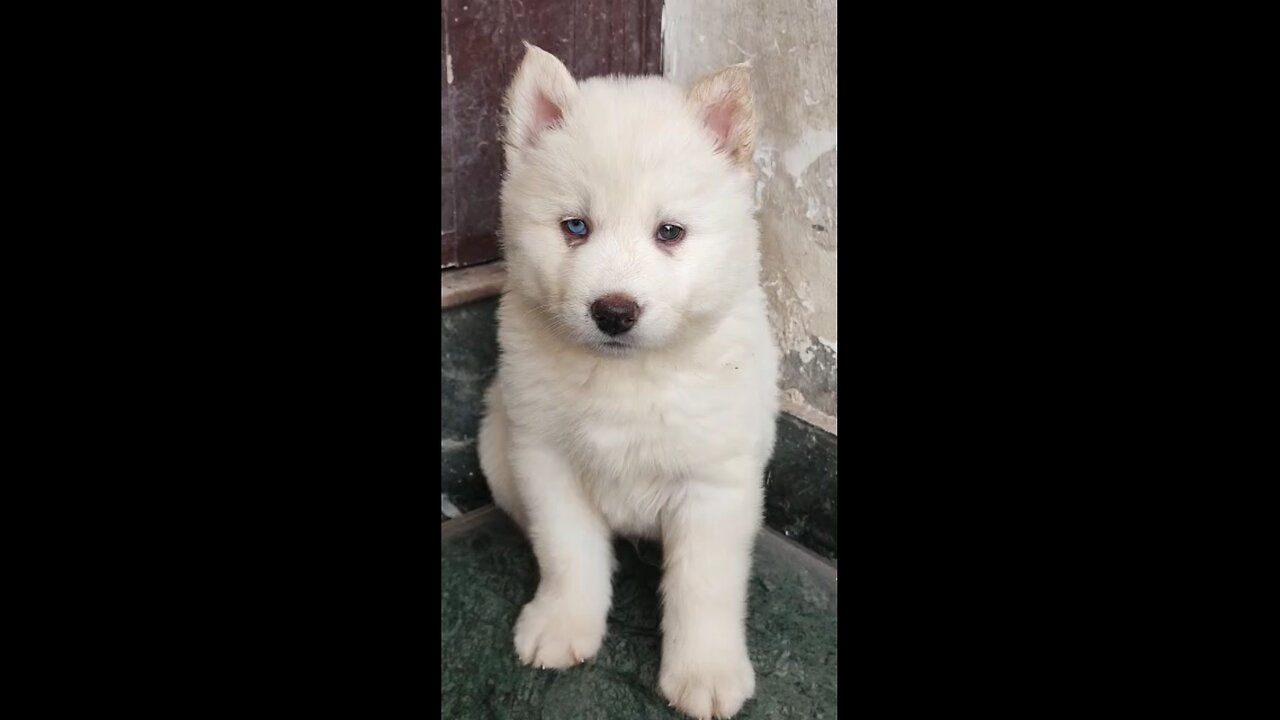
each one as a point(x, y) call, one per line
point(575, 227)
point(670, 233)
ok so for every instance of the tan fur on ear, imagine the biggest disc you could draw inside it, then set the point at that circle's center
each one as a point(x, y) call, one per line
point(723, 100)
point(537, 98)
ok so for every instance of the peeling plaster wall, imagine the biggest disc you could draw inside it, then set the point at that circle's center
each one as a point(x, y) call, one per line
point(791, 47)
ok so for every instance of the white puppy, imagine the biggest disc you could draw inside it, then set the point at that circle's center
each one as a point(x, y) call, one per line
point(636, 393)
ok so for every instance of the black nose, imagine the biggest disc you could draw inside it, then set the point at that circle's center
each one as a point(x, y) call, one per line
point(614, 314)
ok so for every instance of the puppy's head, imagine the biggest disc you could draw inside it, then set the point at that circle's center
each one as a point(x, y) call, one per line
point(627, 203)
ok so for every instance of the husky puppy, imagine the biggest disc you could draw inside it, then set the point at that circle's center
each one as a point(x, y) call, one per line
point(636, 394)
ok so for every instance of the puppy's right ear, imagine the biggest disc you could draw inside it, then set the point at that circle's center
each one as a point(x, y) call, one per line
point(537, 98)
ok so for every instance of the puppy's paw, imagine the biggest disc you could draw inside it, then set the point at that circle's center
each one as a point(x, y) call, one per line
point(707, 686)
point(557, 634)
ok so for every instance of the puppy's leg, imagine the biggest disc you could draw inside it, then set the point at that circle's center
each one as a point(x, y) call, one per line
point(707, 538)
point(493, 444)
point(564, 624)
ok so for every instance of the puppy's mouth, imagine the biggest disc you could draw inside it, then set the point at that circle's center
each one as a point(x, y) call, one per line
point(614, 347)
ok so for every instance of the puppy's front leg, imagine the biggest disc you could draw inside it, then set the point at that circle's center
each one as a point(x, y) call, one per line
point(707, 543)
point(564, 624)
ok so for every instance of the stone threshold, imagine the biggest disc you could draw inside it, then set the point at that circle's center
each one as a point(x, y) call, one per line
point(464, 285)
point(809, 415)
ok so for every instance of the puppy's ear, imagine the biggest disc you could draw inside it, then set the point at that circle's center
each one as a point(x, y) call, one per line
point(537, 98)
point(723, 101)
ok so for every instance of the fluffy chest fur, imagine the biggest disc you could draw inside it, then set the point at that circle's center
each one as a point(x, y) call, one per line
point(638, 429)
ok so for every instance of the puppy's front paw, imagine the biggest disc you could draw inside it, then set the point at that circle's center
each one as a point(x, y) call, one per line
point(704, 686)
point(557, 634)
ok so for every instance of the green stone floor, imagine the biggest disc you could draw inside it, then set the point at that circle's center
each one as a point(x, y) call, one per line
point(487, 573)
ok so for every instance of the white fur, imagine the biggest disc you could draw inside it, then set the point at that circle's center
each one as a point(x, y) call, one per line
point(667, 438)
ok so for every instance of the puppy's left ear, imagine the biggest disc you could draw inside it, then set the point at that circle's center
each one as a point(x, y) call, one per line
point(723, 101)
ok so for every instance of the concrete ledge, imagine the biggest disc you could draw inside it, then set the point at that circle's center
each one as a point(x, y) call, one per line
point(474, 283)
point(813, 416)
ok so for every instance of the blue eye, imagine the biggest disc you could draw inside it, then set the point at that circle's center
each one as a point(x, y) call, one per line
point(575, 226)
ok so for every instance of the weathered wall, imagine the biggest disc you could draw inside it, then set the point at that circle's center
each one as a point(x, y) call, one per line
point(791, 46)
